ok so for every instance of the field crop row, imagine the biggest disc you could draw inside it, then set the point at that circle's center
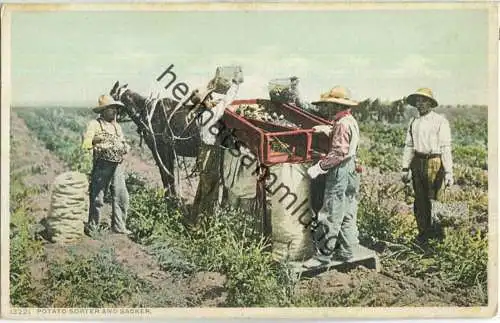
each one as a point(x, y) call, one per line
point(456, 265)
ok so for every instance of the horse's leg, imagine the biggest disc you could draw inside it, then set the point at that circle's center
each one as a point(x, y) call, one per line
point(167, 155)
point(166, 179)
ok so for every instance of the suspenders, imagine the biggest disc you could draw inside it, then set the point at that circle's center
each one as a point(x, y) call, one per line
point(411, 130)
point(102, 128)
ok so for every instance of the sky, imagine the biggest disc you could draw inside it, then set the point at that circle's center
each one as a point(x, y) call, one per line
point(71, 57)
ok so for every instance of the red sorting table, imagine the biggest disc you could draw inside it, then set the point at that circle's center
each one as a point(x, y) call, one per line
point(263, 138)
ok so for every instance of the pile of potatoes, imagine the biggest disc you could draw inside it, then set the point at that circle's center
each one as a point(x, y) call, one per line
point(259, 112)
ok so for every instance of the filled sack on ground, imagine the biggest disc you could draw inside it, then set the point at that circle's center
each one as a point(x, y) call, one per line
point(68, 208)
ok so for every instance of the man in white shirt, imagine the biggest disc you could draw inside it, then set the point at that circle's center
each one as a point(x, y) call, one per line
point(427, 160)
point(209, 157)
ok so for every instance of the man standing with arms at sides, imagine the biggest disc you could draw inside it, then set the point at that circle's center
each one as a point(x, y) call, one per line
point(427, 161)
point(338, 214)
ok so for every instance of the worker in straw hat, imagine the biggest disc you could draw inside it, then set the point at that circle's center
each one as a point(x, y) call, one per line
point(209, 113)
point(338, 215)
point(104, 137)
point(427, 160)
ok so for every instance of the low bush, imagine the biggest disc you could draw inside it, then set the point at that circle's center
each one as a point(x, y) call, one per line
point(378, 221)
point(89, 281)
point(25, 247)
point(152, 215)
point(230, 245)
point(462, 257)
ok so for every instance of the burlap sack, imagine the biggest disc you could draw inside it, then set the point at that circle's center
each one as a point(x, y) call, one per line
point(68, 208)
point(290, 216)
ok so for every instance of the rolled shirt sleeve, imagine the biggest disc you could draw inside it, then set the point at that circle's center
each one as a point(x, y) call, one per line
point(445, 146)
point(409, 149)
point(340, 147)
point(225, 102)
point(89, 134)
point(209, 118)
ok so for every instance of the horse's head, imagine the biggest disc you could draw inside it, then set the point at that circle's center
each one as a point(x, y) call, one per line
point(138, 107)
point(128, 98)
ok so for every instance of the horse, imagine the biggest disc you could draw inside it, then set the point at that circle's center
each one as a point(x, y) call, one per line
point(167, 126)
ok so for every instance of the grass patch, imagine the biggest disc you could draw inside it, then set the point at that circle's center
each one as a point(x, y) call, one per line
point(89, 281)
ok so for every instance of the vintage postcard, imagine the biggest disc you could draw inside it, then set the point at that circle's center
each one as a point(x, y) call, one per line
point(257, 160)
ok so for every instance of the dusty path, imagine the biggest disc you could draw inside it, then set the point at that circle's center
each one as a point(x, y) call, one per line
point(28, 154)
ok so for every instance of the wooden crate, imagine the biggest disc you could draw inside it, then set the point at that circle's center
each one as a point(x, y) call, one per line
point(263, 138)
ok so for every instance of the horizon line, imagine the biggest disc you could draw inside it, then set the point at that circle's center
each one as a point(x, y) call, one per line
point(70, 105)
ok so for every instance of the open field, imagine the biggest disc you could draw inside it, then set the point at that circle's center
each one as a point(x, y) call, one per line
point(162, 265)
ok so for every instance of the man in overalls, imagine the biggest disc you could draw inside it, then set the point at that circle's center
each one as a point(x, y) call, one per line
point(107, 172)
point(427, 161)
point(338, 215)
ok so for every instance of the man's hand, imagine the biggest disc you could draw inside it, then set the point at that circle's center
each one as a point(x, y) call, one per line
point(405, 176)
point(97, 139)
point(323, 128)
point(315, 170)
point(448, 179)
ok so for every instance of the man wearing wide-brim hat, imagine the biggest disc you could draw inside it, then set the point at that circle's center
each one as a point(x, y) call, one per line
point(209, 160)
point(427, 160)
point(338, 215)
point(104, 137)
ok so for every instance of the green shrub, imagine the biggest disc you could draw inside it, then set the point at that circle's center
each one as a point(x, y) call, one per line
point(230, 244)
point(381, 157)
point(469, 176)
point(135, 183)
point(362, 295)
point(79, 160)
point(89, 281)
point(25, 247)
point(378, 222)
point(153, 215)
point(470, 131)
point(172, 259)
point(462, 257)
point(251, 280)
point(471, 155)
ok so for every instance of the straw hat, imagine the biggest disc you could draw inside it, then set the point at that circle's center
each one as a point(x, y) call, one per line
point(423, 92)
point(339, 95)
point(106, 101)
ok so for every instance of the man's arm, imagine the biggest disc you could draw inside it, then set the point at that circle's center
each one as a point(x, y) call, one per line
point(409, 150)
point(88, 137)
point(226, 101)
point(340, 147)
point(210, 117)
point(445, 146)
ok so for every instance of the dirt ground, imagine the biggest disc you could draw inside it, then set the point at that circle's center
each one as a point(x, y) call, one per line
point(28, 153)
point(205, 288)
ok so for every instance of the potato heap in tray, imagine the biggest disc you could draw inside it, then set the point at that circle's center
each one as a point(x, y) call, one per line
point(265, 113)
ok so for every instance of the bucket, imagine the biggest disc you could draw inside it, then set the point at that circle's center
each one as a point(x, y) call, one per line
point(281, 90)
point(223, 78)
